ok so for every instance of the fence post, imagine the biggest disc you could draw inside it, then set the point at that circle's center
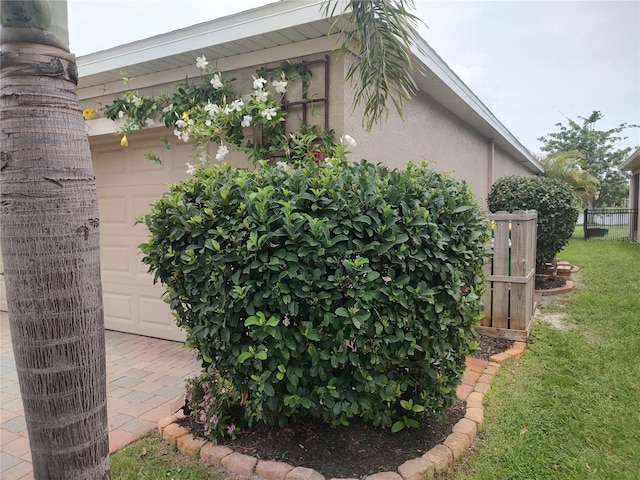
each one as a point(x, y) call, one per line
point(585, 222)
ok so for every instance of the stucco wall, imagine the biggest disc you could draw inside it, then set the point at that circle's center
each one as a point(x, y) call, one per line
point(427, 132)
point(504, 165)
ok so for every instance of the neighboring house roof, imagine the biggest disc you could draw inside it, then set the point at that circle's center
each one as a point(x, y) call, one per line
point(633, 162)
point(283, 24)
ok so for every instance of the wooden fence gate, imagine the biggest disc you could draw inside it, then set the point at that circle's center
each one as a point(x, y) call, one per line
point(509, 301)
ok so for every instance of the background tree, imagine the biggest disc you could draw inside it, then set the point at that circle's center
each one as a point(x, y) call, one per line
point(601, 157)
point(569, 167)
point(50, 245)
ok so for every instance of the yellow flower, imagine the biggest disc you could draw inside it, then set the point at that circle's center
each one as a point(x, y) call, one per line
point(89, 113)
point(124, 142)
point(185, 115)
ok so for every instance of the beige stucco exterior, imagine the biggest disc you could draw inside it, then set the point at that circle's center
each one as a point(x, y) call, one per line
point(632, 164)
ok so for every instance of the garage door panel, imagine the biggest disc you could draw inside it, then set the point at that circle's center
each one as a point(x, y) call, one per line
point(127, 184)
point(153, 310)
point(117, 304)
point(110, 161)
point(113, 210)
point(115, 258)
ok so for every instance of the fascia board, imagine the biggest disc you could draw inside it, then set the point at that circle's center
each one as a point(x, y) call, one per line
point(633, 162)
point(272, 17)
point(460, 95)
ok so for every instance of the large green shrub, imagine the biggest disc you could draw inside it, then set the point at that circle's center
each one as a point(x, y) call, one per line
point(552, 198)
point(338, 291)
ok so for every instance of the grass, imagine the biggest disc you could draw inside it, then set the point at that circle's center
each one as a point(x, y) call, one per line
point(569, 408)
point(152, 458)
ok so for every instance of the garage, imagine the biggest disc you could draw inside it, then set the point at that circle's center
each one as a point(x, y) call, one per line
point(127, 183)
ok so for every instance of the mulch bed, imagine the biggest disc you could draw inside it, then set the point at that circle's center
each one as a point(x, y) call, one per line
point(547, 282)
point(353, 451)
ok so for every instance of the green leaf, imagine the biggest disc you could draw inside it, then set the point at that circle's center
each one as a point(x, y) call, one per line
point(244, 357)
point(396, 427)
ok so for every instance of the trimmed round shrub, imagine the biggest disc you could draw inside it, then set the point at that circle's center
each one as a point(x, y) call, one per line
point(336, 291)
point(552, 198)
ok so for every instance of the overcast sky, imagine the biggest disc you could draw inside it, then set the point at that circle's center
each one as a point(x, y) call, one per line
point(534, 63)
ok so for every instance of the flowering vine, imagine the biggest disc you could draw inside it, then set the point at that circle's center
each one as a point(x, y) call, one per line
point(210, 111)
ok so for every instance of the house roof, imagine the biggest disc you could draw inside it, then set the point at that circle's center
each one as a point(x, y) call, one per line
point(633, 162)
point(283, 24)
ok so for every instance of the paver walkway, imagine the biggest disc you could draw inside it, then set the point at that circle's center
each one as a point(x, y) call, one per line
point(145, 383)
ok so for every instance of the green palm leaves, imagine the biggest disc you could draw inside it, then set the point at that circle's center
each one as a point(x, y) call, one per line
point(380, 33)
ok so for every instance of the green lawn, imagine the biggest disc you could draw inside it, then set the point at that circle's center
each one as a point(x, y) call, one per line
point(570, 409)
point(151, 458)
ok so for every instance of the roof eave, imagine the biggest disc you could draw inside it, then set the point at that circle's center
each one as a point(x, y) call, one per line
point(271, 17)
point(633, 162)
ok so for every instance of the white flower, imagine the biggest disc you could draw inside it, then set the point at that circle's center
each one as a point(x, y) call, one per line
point(223, 150)
point(177, 133)
point(121, 114)
point(386, 279)
point(190, 168)
point(286, 322)
point(349, 139)
point(246, 121)
point(216, 82)
point(185, 137)
point(136, 100)
point(181, 123)
point(283, 165)
point(168, 108)
point(207, 123)
point(269, 113)
point(237, 104)
point(212, 108)
point(258, 83)
point(149, 122)
point(201, 62)
point(228, 109)
point(261, 95)
point(281, 86)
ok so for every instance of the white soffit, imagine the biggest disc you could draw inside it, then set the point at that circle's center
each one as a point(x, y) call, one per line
point(633, 162)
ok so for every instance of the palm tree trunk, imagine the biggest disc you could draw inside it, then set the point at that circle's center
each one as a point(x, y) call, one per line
point(50, 245)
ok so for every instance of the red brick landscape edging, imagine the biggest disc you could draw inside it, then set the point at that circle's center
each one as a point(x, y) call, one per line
point(475, 384)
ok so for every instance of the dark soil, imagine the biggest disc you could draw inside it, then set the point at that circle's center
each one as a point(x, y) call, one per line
point(354, 451)
point(490, 346)
point(546, 282)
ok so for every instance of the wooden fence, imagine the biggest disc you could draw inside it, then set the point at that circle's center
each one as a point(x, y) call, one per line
point(509, 300)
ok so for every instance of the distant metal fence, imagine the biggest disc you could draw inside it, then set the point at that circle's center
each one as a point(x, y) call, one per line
point(613, 224)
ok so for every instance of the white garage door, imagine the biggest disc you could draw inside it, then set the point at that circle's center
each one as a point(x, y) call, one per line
point(127, 183)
